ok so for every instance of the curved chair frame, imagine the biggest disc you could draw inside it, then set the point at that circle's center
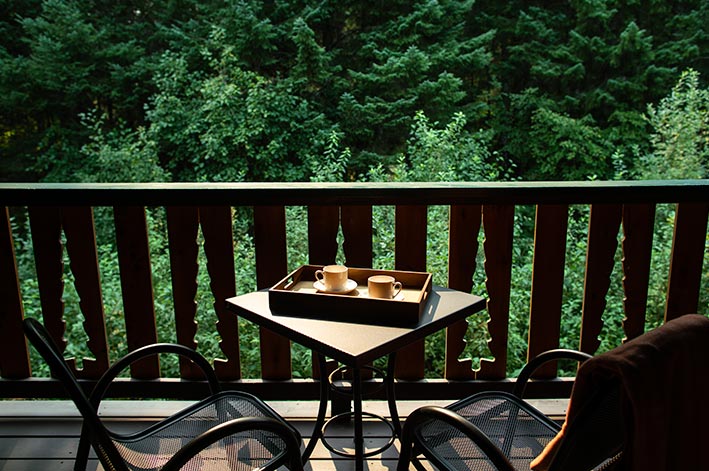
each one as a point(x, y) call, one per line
point(411, 445)
point(96, 434)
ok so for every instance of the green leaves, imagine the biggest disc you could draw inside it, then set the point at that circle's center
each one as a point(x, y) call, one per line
point(448, 154)
point(230, 124)
point(312, 69)
point(254, 90)
point(118, 155)
point(567, 148)
point(681, 132)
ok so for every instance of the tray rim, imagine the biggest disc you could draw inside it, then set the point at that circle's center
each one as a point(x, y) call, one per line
point(405, 312)
point(282, 284)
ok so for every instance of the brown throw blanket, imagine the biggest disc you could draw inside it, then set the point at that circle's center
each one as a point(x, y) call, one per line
point(664, 377)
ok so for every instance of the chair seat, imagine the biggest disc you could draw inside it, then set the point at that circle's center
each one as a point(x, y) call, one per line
point(519, 430)
point(151, 448)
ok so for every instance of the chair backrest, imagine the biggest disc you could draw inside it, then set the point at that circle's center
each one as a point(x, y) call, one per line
point(596, 435)
point(100, 439)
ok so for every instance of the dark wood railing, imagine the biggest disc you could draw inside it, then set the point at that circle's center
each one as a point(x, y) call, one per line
point(489, 207)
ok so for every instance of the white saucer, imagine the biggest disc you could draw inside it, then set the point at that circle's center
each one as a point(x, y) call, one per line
point(350, 286)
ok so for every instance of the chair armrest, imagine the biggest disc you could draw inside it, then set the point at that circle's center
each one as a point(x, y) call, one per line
point(426, 413)
point(234, 426)
point(542, 358)
point(111, 373)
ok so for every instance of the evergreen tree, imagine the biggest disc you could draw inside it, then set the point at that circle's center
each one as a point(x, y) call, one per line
point(255, 90)
point(599, 62)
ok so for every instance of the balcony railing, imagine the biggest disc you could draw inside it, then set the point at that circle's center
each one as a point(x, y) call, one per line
point(624, 211)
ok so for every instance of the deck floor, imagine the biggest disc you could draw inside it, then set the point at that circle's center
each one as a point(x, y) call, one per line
point(43, 435)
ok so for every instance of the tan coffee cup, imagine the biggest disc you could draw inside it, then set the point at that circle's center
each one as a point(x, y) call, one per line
point(333, 277)
point(383, 286)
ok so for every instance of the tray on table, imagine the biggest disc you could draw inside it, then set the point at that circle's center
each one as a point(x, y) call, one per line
point(295, 296)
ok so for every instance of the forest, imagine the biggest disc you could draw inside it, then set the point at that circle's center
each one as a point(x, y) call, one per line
point(278, 90)
point(322, 90)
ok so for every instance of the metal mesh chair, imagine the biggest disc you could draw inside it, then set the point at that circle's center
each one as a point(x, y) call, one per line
point(500, 431)
point(229, 430)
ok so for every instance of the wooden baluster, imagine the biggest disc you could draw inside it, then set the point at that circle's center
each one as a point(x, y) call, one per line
point(638, 228)
point(219, 249)
point(357, 231)
point(182, 229)
point(323, 226)
point(410, 255)
point(78, 224)
point(271, 266)
point(46, 227)
point(357, 244)
point(687, 257)
point(136, 286)
point(604, 225)
point(14, 356)
point(547, 283)
point(463, 248)
point(498, 223)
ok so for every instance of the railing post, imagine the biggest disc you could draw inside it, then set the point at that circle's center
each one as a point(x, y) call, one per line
point(182, 230)
point(498, 223)
point(638, 226)
point(603, 227)
point(219, 251)
point(411, 225)
point(83, 255)
point(14, 358)
point(323, 226)
point(688, 248)
point(46, 229)
point(136, 286)
point(464, 227)
point(271, 266)
point(547, 283)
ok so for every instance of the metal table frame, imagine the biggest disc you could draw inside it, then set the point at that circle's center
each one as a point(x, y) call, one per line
point(357, 413)
point(355, 346)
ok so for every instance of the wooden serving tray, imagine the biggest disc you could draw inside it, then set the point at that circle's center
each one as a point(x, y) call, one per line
point(295, 296)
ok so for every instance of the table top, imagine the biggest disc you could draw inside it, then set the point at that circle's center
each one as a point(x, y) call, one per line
point(351, 343)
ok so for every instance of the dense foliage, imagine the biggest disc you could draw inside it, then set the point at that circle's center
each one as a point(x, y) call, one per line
point(245, 90)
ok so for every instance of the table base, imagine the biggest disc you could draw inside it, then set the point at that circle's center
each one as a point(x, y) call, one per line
point(365, 454)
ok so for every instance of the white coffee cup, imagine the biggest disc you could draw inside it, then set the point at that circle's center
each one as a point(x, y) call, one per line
point(383, 286)
point(333, 277)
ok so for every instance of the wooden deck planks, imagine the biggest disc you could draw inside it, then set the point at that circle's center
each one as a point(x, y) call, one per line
point(39, 435)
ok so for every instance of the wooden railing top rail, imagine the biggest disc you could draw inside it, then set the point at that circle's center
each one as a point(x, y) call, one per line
point(311, 193)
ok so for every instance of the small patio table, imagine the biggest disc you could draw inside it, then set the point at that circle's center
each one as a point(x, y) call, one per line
point(356, 345)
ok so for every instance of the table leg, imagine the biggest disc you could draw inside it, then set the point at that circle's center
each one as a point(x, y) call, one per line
point(358, 427)
point(391, 396)
point(322, 410)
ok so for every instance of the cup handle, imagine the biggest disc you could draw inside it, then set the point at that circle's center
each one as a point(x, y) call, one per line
point(397, 288)
point(319, 275)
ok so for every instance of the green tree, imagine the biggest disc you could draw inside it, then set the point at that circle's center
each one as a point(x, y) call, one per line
point(363, 68)
point(681, 132)
point(410, 57)
point(230, 124)
point(600, 61)
point(568, 149)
